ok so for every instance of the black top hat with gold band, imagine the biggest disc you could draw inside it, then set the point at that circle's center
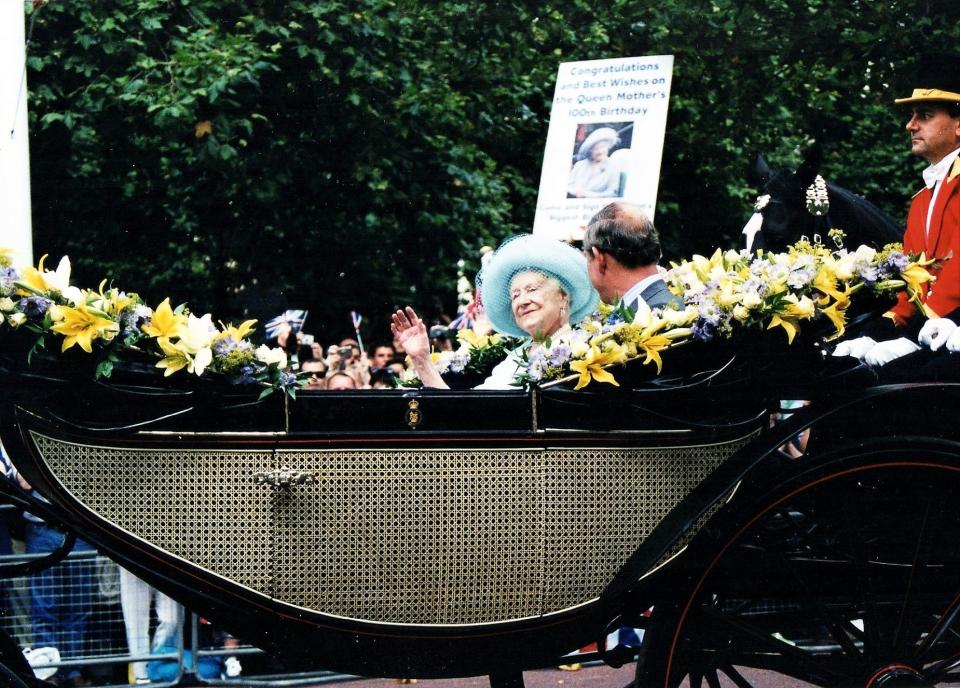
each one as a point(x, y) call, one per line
point(936, 79)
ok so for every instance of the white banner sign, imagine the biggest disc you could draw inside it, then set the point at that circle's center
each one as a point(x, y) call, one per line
point(605, 140)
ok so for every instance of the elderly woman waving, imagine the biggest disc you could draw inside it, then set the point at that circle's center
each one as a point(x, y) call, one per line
point(533, 287)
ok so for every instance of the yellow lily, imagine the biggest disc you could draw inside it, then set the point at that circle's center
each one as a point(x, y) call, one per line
point(826, 281)
point(81, 325)
point(179, 355)
point(789, 319)
point(652, 346)
point(32, 277)
point(591, 367)
point(836, 313)
point(238, 332)
point(916, 275)
point(175, 358)
point(476, 341)
point(164, 322)
point(789, 325)
point(37, 280)
point(6, 256)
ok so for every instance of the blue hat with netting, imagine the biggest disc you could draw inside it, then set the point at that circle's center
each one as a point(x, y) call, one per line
point(538, 254)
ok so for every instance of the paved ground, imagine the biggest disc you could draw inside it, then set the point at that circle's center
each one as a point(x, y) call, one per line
point(589, 677)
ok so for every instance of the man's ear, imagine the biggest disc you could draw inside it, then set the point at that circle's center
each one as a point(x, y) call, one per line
point(600, 257)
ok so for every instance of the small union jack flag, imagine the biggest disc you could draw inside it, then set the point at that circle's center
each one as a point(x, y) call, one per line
point(293, 318)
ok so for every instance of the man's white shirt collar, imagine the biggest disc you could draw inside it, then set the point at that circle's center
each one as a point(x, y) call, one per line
point(937, 173)
point(633, 293)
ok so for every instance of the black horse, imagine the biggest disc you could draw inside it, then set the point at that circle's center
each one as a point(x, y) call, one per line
point(797, 204)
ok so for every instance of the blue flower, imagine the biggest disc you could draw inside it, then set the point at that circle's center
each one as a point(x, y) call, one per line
point(709, 312)
point(132, 318)
point(459, 362)
point(34, 307)
point(897, 262)
point(286, 380)
point(869, 274)
point(224, 346)
point(559, 355)
point(799, 278)
point(613, 319)
point(247, 375)
point(7, 278)
point(703, 331)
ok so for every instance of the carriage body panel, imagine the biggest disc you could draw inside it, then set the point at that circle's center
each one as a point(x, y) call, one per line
point(426, 533)
point(422, 533)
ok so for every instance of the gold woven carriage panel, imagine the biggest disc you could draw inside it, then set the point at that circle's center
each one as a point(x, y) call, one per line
point(602, 503)
point(468, 536)
point(448, 536)
point(452, 536)
point(201, 505)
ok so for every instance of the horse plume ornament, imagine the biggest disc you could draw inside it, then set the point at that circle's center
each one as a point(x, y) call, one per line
point(818, 200)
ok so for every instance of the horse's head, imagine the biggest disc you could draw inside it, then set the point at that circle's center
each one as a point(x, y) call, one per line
point(790, 205)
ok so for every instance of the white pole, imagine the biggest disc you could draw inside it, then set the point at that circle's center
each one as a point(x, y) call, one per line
point(15, 227)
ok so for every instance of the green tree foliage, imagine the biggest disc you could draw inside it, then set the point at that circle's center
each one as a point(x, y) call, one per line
point(346, 154)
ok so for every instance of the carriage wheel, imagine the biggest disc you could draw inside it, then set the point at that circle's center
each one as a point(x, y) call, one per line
point(11, 679)
point(846, 575)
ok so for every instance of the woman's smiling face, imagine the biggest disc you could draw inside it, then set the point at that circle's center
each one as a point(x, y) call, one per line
point(539, 305)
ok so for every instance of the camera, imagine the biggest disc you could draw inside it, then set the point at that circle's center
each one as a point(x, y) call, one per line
point(307, 340)
point(345, 352)
point(439, 332)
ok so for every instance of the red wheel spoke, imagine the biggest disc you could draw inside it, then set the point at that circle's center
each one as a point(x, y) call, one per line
point(945, 621)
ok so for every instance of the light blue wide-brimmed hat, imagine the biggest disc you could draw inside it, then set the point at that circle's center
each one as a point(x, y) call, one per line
point(547, 256)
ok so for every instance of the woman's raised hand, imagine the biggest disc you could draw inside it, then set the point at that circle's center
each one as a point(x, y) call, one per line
point(410, 333)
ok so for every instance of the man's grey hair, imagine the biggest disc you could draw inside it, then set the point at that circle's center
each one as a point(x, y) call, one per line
point(623, 231)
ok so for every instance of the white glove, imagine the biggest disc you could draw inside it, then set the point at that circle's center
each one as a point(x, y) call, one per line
point(232, 668)
point(855, 347)
point(935, 332)
point(953, 342)
point(884, 352)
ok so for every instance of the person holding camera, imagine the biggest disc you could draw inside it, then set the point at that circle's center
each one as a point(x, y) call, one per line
point(349, 360)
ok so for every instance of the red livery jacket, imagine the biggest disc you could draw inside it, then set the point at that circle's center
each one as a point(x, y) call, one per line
point(943, 242)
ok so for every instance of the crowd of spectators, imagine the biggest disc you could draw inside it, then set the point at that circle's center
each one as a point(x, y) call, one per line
point(341, 365)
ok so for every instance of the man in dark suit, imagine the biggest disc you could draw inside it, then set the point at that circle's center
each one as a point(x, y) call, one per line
point(622, 249)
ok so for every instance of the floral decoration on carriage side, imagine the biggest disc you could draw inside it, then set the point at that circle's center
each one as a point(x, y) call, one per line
point(107, 322)
point(728, 291)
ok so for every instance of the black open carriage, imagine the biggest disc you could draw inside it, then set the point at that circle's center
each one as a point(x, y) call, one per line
point(440, 533)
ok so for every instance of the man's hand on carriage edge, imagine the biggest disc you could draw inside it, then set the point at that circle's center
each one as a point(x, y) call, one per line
point(890, 350)
point(935, 332)
point(855, 347)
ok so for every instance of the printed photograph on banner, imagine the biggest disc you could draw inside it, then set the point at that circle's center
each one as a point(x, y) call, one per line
point(604, 142)
point(600, 160)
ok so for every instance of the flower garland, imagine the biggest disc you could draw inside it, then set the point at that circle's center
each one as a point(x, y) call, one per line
point(728, 291)
point(108, 322)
